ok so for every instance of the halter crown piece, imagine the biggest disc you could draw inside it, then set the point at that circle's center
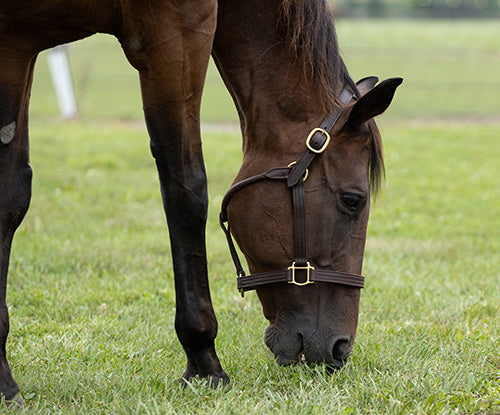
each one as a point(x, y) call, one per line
point(300, 272)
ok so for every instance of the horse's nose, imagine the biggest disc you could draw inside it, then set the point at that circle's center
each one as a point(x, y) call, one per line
point(333, 352)
point(341, 350)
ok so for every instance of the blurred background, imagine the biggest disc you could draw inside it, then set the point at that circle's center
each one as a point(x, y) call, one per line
point(448, 51)
point(416, 8)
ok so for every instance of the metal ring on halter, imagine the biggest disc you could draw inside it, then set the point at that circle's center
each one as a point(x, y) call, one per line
point(307, 268)
point(306, 174)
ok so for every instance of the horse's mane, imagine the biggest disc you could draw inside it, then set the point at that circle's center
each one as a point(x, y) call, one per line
point(308, 28)
point(377, 169)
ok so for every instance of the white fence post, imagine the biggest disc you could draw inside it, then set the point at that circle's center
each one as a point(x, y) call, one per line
point(61, 77)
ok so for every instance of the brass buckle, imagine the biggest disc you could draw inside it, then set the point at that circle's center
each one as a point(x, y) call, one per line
point(242, 290)
point(325, 145)
point(308, 267)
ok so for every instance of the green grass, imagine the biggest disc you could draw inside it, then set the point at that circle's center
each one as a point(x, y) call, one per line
point(91, 293)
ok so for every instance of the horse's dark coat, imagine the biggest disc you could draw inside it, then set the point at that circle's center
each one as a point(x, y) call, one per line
point(280, 62)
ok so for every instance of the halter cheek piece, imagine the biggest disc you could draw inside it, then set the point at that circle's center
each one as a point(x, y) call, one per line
point(294, 175)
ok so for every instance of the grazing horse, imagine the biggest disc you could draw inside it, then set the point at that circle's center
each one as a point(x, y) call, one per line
point(280, 61)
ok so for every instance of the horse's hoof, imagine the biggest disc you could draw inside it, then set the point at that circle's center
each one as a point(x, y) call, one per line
point(222, 381)
point(16, 402)
point(212, 381)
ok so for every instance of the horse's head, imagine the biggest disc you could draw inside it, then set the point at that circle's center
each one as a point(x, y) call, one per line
point(318, 223)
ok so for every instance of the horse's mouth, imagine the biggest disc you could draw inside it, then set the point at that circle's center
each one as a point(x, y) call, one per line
point(295, 350)
point(301, 358)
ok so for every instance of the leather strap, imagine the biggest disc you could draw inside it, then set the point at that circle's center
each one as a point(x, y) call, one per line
point(250, 282)
point(279, 173)
point(318, 140)
point(299, 223)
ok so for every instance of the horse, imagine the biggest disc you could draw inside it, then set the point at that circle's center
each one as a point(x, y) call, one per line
point(312, 157)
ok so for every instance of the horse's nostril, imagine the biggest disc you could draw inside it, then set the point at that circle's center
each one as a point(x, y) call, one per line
point(341, 350)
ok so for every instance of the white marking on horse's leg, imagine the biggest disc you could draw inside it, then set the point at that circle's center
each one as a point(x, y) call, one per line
point(7, 133)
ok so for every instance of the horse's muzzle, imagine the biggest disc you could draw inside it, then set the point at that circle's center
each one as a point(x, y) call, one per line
point(311, 348)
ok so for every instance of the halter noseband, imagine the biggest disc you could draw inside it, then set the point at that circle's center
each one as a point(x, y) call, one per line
point(295, 174)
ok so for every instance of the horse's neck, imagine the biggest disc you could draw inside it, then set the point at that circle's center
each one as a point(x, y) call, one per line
point(267, 85)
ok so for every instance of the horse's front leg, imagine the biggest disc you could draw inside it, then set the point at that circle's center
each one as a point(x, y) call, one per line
point(172, 60)
point(16, 74)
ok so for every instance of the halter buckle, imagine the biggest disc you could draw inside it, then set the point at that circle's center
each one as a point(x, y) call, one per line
point(241, 274)
point(308, 268)
point(325, 144)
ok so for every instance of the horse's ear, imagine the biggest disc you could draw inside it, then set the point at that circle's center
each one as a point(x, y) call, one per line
point(374, 102)
point(366, 84)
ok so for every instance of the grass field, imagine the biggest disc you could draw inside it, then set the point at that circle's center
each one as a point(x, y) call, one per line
point(91, 293)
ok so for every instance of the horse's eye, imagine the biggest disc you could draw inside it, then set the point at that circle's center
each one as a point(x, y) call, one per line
point(352, 202)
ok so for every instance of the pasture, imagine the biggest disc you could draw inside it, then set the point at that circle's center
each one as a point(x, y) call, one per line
point(91, 294)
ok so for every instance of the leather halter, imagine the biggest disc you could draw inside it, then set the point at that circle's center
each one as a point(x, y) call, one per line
point(294, 175)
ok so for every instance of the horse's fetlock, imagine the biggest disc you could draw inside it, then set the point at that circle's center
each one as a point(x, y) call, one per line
point(196, 335)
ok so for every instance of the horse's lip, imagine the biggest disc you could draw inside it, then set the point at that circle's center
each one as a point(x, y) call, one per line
point(287, 361)
point(301, 357)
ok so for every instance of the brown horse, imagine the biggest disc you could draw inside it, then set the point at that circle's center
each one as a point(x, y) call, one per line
point(280, 62)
